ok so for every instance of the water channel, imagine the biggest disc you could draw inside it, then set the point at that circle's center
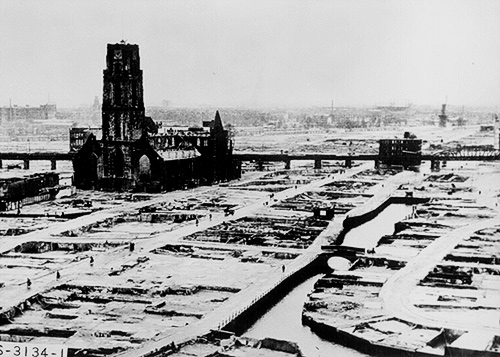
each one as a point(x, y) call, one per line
point(284, 320)
point(368, 234)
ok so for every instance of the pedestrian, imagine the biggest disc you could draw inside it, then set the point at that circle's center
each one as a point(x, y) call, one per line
point(173, 347)
point(58, 275)
point(91, 260)
point(197, 222)
point(283, 268)
point(131, 246)
point(210, 216)
point(28, 283)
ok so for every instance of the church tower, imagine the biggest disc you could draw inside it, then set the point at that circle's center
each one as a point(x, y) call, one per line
point(132, 155)
point(122, 114)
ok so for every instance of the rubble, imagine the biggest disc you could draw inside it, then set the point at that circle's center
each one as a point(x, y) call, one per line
point(205, 253)
point(232, 346)
point(275, 232)
point(450, 177)
point(348, 305)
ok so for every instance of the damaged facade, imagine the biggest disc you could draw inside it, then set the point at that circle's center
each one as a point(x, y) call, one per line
point(406, 152)
point(134, 154)
point(19, 191)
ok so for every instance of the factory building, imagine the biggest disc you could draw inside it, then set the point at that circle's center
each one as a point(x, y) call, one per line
point(137, 154)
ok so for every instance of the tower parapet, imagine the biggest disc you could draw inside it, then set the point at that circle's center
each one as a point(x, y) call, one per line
point(123, 98)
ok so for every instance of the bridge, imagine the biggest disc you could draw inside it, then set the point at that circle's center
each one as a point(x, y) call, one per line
point(468, 153)
point(463, 154)
point(26, 157)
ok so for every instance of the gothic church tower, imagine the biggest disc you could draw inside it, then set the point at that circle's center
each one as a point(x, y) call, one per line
point(123, 111)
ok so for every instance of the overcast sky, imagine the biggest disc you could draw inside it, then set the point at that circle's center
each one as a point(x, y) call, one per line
point(256, 53)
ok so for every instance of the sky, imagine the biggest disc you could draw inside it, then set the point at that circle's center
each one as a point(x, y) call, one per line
point(256, 53)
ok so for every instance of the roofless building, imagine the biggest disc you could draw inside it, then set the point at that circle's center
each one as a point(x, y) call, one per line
point(133, 154)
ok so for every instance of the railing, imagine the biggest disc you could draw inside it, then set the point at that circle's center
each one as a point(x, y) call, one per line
point(286, 275)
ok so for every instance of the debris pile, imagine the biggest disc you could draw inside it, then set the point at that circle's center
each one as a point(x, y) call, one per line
point(114, 316)
point(221, 343)
point(217, 253)
point(449, 177)
point(347, 304)
point(264, 231)
point(308, 201)
point(376, 174)
point(355, 186)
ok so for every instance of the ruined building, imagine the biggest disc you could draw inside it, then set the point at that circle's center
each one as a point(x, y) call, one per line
point(16, 192)
point(406, 152)
point(133, 154)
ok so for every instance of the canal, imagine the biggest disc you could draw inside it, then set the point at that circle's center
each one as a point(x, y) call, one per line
point(368, 234)
point(284, 320)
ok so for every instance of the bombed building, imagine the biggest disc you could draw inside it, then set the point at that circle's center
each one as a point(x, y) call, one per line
point(134, 154)
point(406, 152)
point(19, 191)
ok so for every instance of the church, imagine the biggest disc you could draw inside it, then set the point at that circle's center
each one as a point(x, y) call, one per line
point(135, 153)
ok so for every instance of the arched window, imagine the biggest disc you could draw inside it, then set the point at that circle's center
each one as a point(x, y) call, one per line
point(93, 168)
point(118, 162)
point(144, 168)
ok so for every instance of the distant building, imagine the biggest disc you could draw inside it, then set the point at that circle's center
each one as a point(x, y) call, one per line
point(31, 123)
point(16, 113)
point(96, 106)
point(443, 118)
point(404, 152)
point(133, 153)
point(79, 135)
point(393, 107)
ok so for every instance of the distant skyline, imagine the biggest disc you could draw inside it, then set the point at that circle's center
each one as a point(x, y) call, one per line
point(256, 53)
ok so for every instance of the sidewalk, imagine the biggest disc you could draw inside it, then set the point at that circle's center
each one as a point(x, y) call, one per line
point(396, 292)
